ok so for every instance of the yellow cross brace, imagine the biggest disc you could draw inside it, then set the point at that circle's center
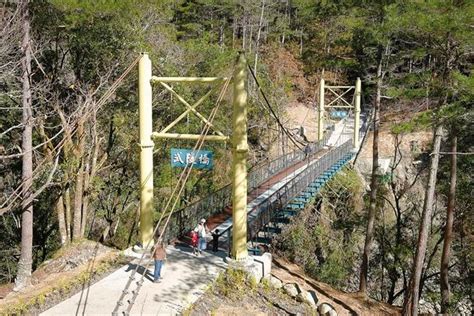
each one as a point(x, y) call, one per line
point(180, 98)
point(195, 105)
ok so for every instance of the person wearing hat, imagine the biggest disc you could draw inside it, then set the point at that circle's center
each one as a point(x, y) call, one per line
point(201, 231)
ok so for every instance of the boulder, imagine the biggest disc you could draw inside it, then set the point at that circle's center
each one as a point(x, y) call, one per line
point(291, 289)
point(324, 309)
point(275, 282)
point(311, 298)
point(332, 312)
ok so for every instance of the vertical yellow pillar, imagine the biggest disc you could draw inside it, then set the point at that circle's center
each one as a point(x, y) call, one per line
point(357, 113)
point(239, 162)
point(321, 111)
point(146, 150)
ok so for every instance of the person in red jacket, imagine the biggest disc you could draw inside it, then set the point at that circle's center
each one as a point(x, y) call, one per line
point(194, 242)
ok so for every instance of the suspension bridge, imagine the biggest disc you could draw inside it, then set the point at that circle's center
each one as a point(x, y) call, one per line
point(247, 212)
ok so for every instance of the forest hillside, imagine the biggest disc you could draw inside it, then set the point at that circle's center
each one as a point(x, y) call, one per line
point(395, 225)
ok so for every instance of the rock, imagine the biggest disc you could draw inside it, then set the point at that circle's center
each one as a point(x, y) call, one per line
point(324, 309)
point(332, 312)
point(275, 282)
point(301, 297)
point(291, 289)
point(311, 298)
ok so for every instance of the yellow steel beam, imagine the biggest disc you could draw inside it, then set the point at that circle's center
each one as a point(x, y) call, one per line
point(239, 162)
point(341, 106)
point(146, 150)
point(358, 90)
point(155, 79)
point(156, 135)
point(321, 111)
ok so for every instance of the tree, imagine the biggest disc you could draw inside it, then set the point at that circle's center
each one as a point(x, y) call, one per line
point(374, 181)
point(441, 30)
point(448, 229)
point(411, 301)
point(23, 278)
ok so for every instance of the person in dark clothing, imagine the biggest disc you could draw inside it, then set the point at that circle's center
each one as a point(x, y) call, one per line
point(307, 151)
point(215, 240)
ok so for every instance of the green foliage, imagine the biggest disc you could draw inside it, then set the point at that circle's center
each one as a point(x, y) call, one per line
point(234, 283)
point(421, 121)
point(83, 46)
point(325, 244)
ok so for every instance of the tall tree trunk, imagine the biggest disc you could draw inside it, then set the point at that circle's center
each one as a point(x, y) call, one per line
point(410, 306)
point(61, 221)
point(85, 198)
point(67, 205)
point(301, 43)
point(78, 194)
point(244, 32)
point(23, 278)
point(373, 182)
point(448, 230)
point(79, 186)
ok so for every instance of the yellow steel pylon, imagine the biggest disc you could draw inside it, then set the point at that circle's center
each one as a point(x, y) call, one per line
point(239, 146)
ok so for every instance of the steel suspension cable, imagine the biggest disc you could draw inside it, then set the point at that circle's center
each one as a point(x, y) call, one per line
point(294, 141)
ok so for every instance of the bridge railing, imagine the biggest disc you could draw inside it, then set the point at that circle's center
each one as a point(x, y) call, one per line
point(186, 218)
point(260, 174)
point(293, 188)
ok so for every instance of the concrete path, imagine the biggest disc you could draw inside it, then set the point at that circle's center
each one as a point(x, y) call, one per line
point(185, 279)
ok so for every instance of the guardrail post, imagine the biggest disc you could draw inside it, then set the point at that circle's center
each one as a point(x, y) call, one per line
point(146, 150)
point(239, 160)
point(357, 113)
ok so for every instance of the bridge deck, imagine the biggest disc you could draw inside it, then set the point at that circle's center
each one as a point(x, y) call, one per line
point(223, 221)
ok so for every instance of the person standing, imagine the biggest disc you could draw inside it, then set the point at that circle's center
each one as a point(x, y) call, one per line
point(215, 240)
point(159, 255)
point(202, 231)
point(194, 242)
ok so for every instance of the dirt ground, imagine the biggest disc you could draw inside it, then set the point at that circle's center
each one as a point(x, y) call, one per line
point(344, 303)
point(72, 268)
point(271, 301)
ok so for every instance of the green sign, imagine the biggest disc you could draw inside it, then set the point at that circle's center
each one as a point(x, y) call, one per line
point(200, 159)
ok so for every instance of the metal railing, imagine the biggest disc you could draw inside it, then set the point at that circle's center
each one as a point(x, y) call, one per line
point(260, 174)
point(186, 218)
point(266, 210)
